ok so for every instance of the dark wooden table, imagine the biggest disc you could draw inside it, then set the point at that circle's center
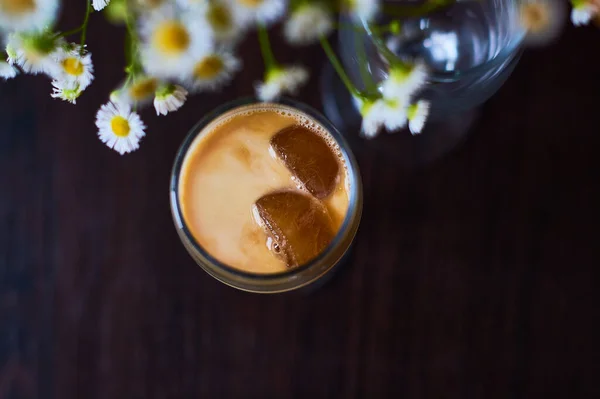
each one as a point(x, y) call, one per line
point(471, 278)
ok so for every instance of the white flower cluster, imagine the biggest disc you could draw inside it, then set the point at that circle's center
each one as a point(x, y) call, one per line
point(393, 110)
point(178, 46)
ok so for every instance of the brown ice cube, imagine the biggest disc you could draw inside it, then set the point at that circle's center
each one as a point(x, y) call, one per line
point(309, 158)
point(299, 225)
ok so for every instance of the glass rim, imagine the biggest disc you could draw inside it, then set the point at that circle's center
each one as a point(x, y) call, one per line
point(513, 47)
point(352, 216)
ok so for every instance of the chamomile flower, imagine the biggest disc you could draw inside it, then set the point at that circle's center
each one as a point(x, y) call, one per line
point(172, 42)
point(365, 10)
point(226, 25)
point(7, 71)
point(417, 116)
point(582, 12)
point(382, 112)
point(27, 15)
point(66, 91)
point(33, 52)
point(119, 128)
point(99, 4)
point(74, 67)
point(281, 80)
point(140, 92)
point(214, 70)
point(307, 24)
point(169, 98)
point(541, 19)
point(259, 11)
point(404, 80)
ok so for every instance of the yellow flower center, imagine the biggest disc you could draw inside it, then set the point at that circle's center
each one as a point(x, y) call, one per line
point(219, 16)
point(72, 66)
point(535, 16)
point(17, 6)
point(209, 67)
point(171, 38)
point(143, 89)
point(251, 3)
point(120, 126)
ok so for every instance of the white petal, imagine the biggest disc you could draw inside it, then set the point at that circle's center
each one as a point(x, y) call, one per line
point(7, 71)
point(307, 24)
point(99, 4)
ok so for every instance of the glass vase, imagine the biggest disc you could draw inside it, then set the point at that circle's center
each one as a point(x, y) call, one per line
point(470, 49)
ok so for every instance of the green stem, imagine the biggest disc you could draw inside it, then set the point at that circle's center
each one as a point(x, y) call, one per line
point(84, 27)
point(68, 33)
point(363, 65)
point(131, 49)
point(339, 68)
point(265, 48)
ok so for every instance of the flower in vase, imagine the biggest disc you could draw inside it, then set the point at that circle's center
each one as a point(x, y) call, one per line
point(388, 113)
point(140, 92)
point(172, 42)
point(33, 52)
point(541, 19)
point(365, 10)
point(404, 80)
point(7, 71)
point(214, 70)
point(66, 91)
point(119, 128)
point(281, 80)
point(75, 67)
point(417, 116)
point(259, 11)
point(583, 11)
point(99, 4)
point(27, 15)
point(169, 98)
point(308, 23)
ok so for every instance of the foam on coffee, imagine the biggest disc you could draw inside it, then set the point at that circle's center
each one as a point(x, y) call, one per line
point(229, 166)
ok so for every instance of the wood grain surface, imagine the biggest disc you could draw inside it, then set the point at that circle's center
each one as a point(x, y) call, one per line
point(471, 278)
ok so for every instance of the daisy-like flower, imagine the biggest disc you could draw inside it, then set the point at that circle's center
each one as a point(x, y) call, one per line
point(119, 128)
point(417, 116)
point(7, 71)
point(388, 113)
point(225, 23)
point(139, 93)
point(281, 80)
point(74, 68)
point(541, 19)
point(404, 80)
point(27, 15)
point(99, 4)
point(214, 70)
point(258, 11)
point(66, 91)
point(173, 41)
point(365, 10)
point(33, 52)
point(583, 11)
point(307, 24)
point(169, 98)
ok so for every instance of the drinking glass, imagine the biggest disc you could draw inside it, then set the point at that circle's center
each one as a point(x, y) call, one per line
point(470, 48)
point(293, 278)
